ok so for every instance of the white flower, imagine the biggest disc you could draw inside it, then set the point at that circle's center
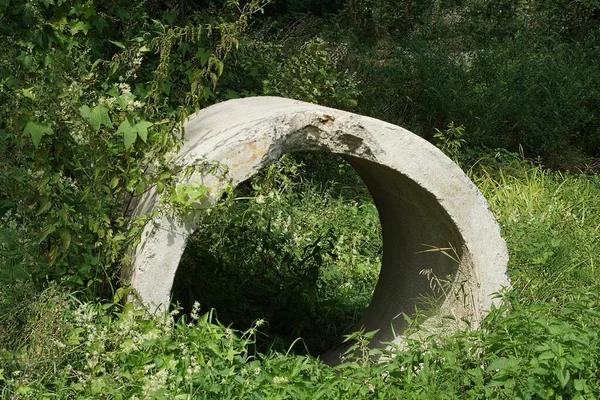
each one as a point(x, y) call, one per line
point(148, 367)
point(278, 380)
point(124, 87)
point(195, 311)
point(155, 382)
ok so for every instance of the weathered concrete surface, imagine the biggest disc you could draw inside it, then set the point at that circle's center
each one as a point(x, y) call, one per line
point(423, 200)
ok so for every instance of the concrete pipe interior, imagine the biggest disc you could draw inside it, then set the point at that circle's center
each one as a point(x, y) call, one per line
point(303, 260)
point(424, 200)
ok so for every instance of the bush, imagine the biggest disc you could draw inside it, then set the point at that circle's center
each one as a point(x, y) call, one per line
point(93, 95)
point(514, 75)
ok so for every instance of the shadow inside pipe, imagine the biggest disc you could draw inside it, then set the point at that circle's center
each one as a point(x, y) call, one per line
point(298, 246)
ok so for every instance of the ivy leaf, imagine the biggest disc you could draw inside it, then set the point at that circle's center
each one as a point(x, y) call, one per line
point(129, 131)
point(37, 131)
point(203, 56)
point(100, 24)
point(132, 130)
point(100, 117)
point(79, 26)
point(96, 117)
point(29, 93)
point(85, 112)
point(142, 129)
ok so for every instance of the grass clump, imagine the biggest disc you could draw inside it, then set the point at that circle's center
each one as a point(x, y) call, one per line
point(550, 222)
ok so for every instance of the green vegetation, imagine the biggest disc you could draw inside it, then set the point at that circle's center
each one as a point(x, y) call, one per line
point(93, 94)
point(303, 257)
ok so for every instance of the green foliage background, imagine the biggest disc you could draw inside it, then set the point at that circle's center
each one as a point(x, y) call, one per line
point(92, 96)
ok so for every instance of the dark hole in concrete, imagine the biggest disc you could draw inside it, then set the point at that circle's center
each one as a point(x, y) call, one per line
point(300, 248)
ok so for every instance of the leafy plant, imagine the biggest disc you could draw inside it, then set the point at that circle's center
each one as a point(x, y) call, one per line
point(93, 95)
point(451, 141)
point(287, 252)
point(308, 75)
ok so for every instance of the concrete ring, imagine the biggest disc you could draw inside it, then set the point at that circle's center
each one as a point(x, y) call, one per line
point(424, 199)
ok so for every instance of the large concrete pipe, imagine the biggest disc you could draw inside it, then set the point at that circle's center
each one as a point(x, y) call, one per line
point(425, 201)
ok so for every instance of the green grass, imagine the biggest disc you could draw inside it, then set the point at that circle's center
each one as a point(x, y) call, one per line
point(541, 343)
point(551, 222)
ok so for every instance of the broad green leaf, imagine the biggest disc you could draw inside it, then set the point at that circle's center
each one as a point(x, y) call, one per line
point(580, 384)
point(547, 355)
point(140, 187)
point(563, 377)
point(503, 364)
point(129, 133)
point(78, 387)
point(203, 56)
point(23, 390)
point(79, 26)
point(37, 131)
point(232, 94)
point(167, 87)
point(96, 116)
point(75, 337)
point(44, 207)
point(125, 99)
point(85, 112)
point(114, 182)
point(100, 23)
point(120, 294)
point(503, 380)
point(47, 231)
point(100, 117)
point(28, 93)
point(142, 129)
point(169, 16)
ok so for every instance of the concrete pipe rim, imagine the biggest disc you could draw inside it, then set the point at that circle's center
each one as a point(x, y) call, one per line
point(425, 202)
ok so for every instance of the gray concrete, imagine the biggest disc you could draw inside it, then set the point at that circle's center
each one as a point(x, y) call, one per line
point(423, 198)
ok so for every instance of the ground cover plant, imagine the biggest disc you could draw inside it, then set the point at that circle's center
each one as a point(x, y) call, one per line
point(542, 342)
point(92, 96)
